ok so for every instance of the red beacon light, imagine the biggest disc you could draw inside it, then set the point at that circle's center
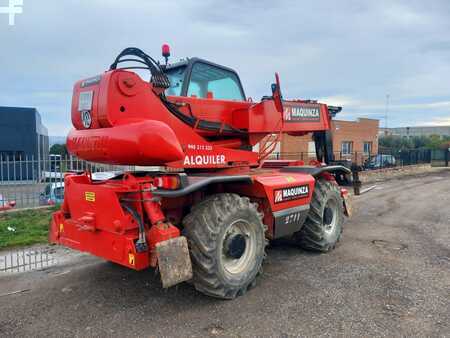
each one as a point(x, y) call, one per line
point(166, 52)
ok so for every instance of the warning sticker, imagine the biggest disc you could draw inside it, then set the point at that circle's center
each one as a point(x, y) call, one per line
point(89, 196)
point(131, 259)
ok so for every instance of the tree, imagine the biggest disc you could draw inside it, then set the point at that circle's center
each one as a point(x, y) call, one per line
point(434, 142)
point(419, 141)
point(394, 142)
point(59, 149)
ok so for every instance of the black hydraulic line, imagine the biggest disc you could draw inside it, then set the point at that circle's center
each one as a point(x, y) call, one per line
point(141, 243)
point(158, 79)
point(200, 124)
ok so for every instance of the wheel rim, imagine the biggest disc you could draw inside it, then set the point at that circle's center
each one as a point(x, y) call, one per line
point(238, 247)
point(330, 216)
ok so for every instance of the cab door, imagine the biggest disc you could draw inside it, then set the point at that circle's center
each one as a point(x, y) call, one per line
point(213, 92)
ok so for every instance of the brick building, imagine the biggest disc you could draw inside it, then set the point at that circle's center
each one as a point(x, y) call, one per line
point(354, 140)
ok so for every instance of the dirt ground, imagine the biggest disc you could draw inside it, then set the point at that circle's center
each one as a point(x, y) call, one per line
point(390, 276)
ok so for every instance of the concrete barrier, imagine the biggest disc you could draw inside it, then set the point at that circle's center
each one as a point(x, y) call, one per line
point(371, 176)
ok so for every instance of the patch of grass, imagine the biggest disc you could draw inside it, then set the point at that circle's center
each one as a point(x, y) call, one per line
point(31, 227)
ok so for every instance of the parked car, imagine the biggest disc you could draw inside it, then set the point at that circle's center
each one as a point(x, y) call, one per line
point(53, 194)
point(380, 161)
point(6, 204)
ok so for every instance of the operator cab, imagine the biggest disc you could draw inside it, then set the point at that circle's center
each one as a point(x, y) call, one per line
point(202, 79)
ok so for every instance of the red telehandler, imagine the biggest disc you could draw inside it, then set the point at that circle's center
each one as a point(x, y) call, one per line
point(208, 205)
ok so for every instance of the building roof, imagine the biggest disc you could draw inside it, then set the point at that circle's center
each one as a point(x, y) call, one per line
point(357, 120)
point(14, 115)
point(417, 131)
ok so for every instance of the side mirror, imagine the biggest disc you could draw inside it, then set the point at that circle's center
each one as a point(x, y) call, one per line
point(276, 94)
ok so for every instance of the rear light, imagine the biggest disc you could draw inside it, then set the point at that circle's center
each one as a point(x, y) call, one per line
point(169, 182)
point(344, 192)
point(50, 202)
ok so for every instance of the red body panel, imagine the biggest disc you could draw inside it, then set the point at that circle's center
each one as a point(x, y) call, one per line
point(300, 117)
point(138, 138)
point(213, 109)
point(275, 181)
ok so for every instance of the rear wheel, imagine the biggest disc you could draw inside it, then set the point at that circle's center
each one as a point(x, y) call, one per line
point(226, 241)
point(323, 226)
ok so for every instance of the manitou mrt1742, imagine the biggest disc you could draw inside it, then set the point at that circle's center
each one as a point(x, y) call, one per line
point(208, 212)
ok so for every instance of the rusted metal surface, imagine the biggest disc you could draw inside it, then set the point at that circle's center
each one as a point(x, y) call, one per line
point(174, 261)
point(348, 208)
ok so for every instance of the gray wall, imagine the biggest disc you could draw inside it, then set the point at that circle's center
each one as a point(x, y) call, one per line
point(22, 137)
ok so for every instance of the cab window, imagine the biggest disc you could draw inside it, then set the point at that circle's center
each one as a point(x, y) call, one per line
point(208, 81)
point(176, 78)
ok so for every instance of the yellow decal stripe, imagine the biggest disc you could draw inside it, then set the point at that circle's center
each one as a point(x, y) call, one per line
point(89, 196)
point(131, 259)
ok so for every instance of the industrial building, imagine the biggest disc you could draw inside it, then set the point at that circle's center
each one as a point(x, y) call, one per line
point(416, 131)
point(23, 137)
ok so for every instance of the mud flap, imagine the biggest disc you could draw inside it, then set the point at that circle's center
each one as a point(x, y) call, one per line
point(348, 208)
point(174, 261)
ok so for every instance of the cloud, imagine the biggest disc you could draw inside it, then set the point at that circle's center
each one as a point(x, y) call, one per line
point(438, 122)
point(350, 53)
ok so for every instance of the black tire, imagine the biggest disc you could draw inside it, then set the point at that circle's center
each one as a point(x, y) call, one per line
point(323, 226)
point(216, 229)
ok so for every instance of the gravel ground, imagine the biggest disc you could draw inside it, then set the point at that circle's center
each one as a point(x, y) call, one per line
point(390, 276)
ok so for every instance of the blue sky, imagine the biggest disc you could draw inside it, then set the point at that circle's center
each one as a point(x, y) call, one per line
point(349, 53)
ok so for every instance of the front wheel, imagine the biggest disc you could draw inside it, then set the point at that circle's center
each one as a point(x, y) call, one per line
point(226, 241)
point(323, 226)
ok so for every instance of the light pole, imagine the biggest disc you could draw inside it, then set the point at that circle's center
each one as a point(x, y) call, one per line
point(386, 112)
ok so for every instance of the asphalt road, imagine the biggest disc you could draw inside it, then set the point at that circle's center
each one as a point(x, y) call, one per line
point(390, 276)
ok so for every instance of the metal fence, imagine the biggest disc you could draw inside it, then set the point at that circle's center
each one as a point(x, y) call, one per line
point(28, 182)
point(440, 157)
point(27, 259)
point(384, 159)
point(31, 182)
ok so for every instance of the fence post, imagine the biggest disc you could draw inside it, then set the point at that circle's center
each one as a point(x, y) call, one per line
point(356, 182)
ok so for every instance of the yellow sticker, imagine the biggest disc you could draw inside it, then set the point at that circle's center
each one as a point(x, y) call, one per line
point(61, 227)
point(89, 196)
point(131, 259)
point(290, 179)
